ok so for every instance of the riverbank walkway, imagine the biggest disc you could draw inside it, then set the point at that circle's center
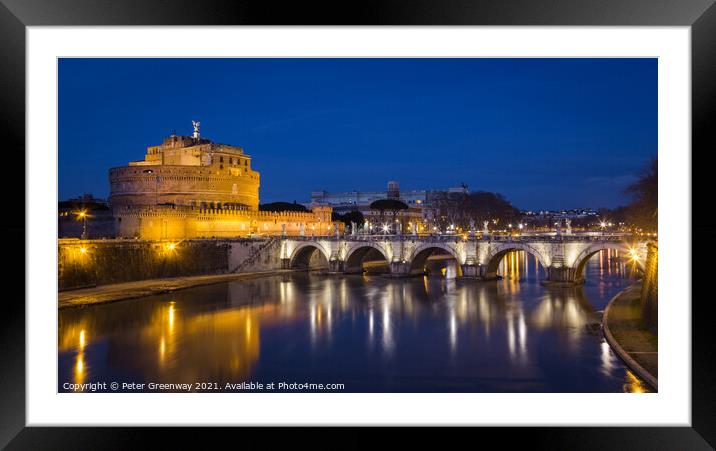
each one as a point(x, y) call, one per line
point(628, 337)
point(129, 290)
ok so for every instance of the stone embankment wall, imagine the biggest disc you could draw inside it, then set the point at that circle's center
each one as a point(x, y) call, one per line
point(99, 262)
point(650, 288)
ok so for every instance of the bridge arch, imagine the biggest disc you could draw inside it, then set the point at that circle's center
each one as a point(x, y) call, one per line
point(303, 253)
point(496, 254)
point(580, 262)
point(419, 257)
point(356, 255)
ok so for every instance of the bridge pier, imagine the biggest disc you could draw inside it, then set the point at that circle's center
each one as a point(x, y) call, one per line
point(335, 266)
point(562, 276)
point(400, 269)
point(285, 263)
point(471, 270)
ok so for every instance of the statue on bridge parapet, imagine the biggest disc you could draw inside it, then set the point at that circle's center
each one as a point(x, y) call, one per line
point(353, 228)
point(472, 227)
point(568, 222)
point(559, 227)
point(302, 229)
point(485, 231)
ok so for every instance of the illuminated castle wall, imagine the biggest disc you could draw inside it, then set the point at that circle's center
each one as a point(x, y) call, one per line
point(161, 222)
point(190, 187)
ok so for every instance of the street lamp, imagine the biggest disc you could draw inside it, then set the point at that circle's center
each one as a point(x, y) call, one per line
point(82, 215)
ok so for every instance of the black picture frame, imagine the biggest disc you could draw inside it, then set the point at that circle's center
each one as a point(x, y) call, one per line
point(16, 15)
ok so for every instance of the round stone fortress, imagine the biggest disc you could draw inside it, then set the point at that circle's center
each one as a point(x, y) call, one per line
point(187, 171)
point(189, 187)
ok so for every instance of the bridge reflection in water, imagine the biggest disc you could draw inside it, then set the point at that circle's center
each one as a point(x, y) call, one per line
point(368, 332)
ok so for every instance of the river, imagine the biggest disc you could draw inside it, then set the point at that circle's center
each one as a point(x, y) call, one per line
point(369, 333)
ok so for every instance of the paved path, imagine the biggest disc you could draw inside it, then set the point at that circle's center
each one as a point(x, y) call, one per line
point(129, 290)
point(624, 331)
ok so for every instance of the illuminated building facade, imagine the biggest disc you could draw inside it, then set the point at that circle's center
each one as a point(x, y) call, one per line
point(191, 187)
point(190, 171)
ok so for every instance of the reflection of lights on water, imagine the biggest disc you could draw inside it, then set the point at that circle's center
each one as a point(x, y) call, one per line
point(510, 335)
point(80, 369)
point(453, 331)
point(607, 356)
point(162, 349)
point(82, 339)
point(80, 364)
point(477, 308)
point(387, 330)
point(171, 316)
point(522, 334)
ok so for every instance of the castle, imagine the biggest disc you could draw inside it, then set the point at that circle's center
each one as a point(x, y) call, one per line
point(191, 187)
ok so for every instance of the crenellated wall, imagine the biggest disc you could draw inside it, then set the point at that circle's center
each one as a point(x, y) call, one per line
point(158, 222)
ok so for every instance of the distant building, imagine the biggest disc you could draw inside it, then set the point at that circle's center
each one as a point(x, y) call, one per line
point(347, 201)
point(421, 209)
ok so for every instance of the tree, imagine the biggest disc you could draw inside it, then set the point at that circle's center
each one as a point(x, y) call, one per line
point(459, 208)
point(348, 218)
point(643, 210)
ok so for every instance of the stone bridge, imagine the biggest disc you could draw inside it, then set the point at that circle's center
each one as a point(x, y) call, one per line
point(563, 257)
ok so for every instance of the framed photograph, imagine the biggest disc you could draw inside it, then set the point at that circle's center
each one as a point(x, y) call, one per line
point(451, 213)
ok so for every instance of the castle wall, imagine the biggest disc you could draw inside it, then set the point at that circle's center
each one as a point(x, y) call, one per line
point(168, 222)
point(184, 185)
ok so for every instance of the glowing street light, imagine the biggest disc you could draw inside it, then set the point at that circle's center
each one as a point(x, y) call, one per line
point(82, 216)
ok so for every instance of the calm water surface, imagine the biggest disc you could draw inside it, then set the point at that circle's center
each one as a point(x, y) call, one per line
point(369, 333)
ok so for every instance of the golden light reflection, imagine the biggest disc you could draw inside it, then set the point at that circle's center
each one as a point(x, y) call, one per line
point(82, 339)
point(170, 317)
point(223, 338)
point(80, 369)
point(632, 384)
point(225, 343)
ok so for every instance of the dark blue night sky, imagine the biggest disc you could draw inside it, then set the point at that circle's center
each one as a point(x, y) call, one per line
point(546, 133)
